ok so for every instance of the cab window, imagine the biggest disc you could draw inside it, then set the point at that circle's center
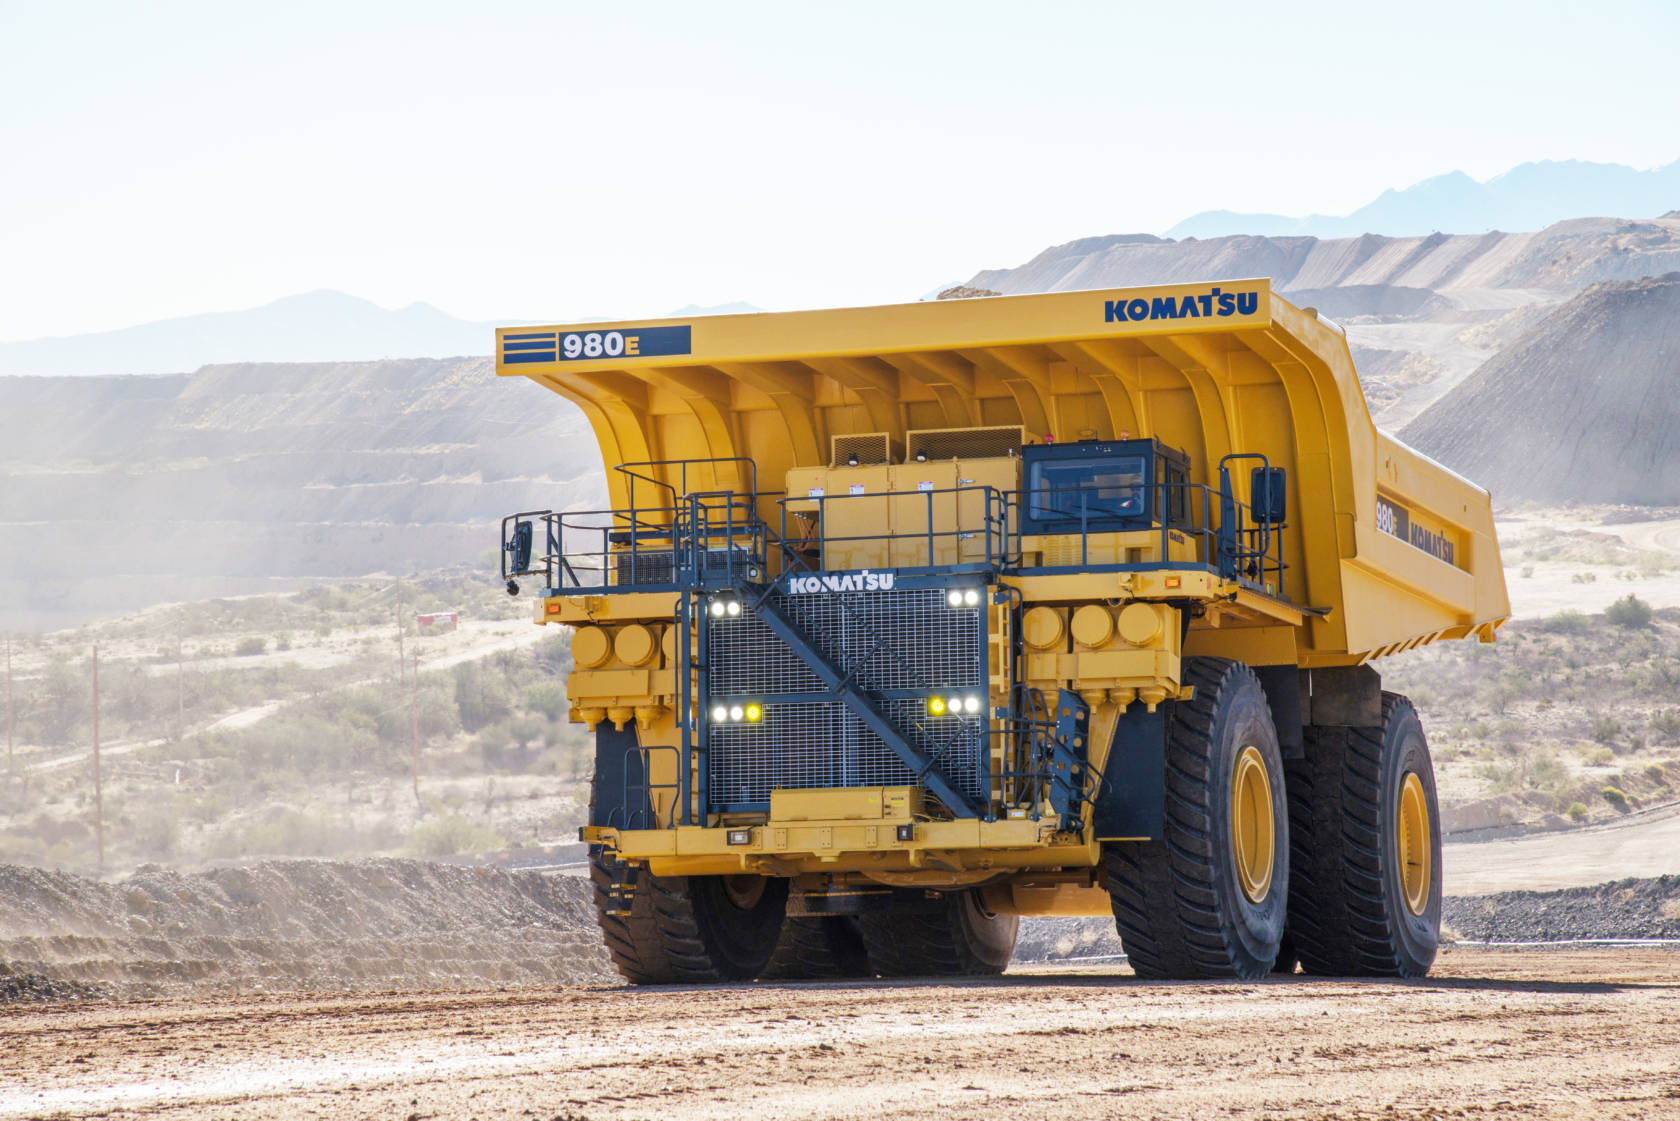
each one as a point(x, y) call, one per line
point(1099, 488)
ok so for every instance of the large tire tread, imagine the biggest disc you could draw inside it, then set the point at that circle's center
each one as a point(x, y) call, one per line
point(956, 940)
point(664, 939)
point(1342, 921)
point(1165, 895)
point(811, 948)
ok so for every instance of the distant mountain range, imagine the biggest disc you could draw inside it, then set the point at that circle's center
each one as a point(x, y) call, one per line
point(1530, 196)
point(322, 326)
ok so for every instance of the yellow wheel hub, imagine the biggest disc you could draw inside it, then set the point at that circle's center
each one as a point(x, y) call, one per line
point(1413, 849)
point(1253, 835)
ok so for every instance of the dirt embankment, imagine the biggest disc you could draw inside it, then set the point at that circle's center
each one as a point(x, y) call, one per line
point(294, 925)
point(1584, 404)
point(311, 925)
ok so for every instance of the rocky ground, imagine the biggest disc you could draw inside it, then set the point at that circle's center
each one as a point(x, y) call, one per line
point(1626, 909)
point(1492, 1034)
point(293, 925)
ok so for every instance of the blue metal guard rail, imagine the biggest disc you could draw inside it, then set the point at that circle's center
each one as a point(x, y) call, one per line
point(716, 539)
point(707, 539)
point(1236, 547)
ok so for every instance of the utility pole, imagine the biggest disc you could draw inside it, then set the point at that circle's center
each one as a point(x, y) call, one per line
point(180, 690)
point(414, 723)
point(98, 784)
point(10, 708)
point(402, 658)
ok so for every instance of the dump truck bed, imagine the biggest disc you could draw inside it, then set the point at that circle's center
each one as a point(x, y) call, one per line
point(1388, 550)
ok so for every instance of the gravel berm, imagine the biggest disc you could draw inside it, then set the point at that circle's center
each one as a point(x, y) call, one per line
point(294, 925)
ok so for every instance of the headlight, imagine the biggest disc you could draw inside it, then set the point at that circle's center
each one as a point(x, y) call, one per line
point(717, 609)
point(954, 597)
point(971, 704)
point(733, 607)
point(971, 598)
point(720, 713)
point(736, 712)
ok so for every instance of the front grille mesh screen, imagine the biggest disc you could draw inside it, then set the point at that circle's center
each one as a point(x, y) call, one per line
point(918, 643)
point(913, 641)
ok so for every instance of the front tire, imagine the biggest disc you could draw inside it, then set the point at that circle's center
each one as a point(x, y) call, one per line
point(1366, 833)
point(1209, 899)
point(819, 947)
point(959, 938)
point(687, 930)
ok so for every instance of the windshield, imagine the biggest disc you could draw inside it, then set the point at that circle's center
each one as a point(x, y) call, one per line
point(1105, 487)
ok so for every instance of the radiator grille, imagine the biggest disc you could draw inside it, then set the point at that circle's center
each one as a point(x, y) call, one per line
point(907, 639)
point(805, 746)
point(869, 447)
point(918, 643)
point(966, 443)
point(650, 566)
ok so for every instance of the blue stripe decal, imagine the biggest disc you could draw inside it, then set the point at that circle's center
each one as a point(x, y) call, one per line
point(598, 345)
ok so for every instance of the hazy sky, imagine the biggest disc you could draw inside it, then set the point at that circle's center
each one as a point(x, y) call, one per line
point(549, 160)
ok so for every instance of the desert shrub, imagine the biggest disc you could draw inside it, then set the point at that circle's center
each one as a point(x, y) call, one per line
point(253, 645)
point(1565, 622)
point(285, 832)
point(1526, 770)
point(451, 836)
point(525, 729)
point(547, 698)
point(1598, 756)
point(1657, 774)
point(1577, 811)
point(1615, 797)
point(481, 697)
point(1629, 612)
point(1603, 727)
point(157, 831)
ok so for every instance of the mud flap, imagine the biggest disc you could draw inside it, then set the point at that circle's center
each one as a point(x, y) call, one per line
point(621, 795)
point(1131, 802)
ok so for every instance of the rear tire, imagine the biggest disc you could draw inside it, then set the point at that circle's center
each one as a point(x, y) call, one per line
point(1209, 899)
point(961, 938)
point(1365, 829)
point(687, 930)
point(822, 947)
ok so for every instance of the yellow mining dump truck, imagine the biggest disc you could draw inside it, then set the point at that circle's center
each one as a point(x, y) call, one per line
point(908, 621)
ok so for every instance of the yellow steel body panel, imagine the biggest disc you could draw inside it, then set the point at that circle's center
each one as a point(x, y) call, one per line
point(1208, 368)
point(943, 852)
point(852, 803)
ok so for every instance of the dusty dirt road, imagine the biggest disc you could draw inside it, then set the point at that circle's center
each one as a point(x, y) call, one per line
point(1646, 844)
point(1493, 1034)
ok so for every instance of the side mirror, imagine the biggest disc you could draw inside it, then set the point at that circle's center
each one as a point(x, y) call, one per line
point(519, 549)
point(1267, 495)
